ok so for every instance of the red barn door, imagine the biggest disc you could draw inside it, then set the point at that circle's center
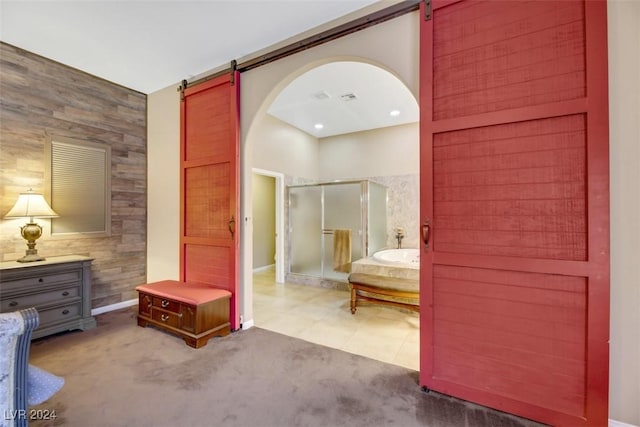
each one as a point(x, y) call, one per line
point(514, 195)
point(209, 238)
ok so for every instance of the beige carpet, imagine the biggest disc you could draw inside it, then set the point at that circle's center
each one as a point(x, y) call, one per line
point(120, 374)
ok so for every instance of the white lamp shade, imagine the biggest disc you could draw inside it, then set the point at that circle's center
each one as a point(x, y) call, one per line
point(31, 205)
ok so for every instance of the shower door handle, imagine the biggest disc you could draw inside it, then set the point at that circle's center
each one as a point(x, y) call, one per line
point(426, 233)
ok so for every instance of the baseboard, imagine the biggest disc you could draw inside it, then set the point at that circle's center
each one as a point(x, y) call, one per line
point(265, 268)
point(614, 423)
point(248, 324)
point(111, 307)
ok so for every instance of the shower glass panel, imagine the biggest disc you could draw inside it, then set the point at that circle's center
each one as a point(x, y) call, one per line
point(342, 211)
point(305, 207)
point(316, 211)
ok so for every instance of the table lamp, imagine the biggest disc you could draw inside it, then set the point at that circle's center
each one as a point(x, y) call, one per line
point(31, 205)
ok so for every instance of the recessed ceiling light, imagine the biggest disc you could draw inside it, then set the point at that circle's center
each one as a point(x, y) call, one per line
point(318, 126)
point(394, 113)
point(321, 95)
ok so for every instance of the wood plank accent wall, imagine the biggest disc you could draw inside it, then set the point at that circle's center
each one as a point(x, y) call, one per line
point(39, 98)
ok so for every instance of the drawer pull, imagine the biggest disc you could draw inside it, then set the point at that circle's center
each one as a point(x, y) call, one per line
point(65, 294)
point(13, 303)
point(65, 311)
point(164, 317)
point(164, 303)
point(41, 280)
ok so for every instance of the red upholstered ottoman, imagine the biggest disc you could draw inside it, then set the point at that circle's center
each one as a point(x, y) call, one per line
point(194, 311)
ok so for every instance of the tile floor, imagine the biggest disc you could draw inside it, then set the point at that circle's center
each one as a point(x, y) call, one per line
point(322, 316)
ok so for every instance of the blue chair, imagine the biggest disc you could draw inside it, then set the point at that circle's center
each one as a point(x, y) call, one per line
point(21, 385)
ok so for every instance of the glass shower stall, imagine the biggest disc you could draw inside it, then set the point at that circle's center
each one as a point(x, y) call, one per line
point(327, 219)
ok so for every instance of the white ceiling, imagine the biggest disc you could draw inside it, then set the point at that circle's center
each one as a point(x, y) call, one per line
point(147, 45)
point(345, 97)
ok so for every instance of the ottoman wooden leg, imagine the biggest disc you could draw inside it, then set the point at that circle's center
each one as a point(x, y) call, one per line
point(353, 300)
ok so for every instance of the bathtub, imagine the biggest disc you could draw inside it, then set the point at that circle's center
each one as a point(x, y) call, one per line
point(409, 257)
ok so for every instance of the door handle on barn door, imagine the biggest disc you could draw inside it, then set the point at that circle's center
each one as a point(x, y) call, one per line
point(426, 233)
point(232, 226)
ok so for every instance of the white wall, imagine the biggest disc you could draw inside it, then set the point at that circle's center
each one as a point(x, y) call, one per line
point(281, 147)
point(624, 153)
point(163, 194)
point(381, 152)
point(394, 45)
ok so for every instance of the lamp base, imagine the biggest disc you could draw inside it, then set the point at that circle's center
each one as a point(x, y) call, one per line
point(31, 258)
point(31, 232)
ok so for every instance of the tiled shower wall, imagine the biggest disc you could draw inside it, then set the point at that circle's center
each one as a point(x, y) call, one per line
point(41, 98)
point(403, 208)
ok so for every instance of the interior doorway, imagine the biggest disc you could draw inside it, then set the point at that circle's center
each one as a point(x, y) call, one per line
point(268, 238)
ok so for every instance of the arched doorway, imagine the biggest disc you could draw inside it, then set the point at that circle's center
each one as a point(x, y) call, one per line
point(370, 131)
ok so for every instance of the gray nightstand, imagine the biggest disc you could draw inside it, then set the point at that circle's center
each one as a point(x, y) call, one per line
point(59, 288)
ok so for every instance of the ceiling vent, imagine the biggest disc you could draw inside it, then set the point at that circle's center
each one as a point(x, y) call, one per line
point(349, 96)
point(321, 95)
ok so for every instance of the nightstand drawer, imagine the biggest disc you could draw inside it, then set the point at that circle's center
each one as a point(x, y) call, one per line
point(43, 280)
point(36, 300)
point(60, 314)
